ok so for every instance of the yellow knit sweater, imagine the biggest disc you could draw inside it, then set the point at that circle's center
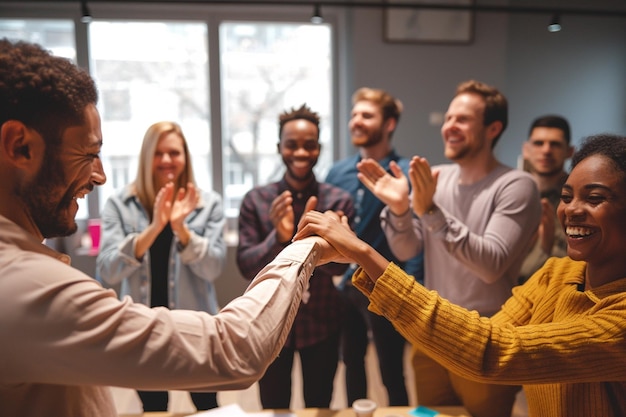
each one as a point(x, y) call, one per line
point(566, 346)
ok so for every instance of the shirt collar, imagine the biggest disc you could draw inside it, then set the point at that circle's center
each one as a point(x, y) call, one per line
point(391, 156)
point(14, 235)
point(308, 191)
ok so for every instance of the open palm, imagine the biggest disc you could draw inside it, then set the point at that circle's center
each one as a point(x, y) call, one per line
point(393, 190)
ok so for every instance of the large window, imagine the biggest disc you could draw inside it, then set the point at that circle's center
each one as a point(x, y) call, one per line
point(268, 68)
point(148, 72)
point(158, 69)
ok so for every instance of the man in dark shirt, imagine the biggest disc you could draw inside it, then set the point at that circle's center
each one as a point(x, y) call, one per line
point(545, 153)
point(375, 115)
point(268, 220)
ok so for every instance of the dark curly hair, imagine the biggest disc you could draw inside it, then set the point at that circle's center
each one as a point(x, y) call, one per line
point(304, 112)
point(610, 145)
point(45, 92)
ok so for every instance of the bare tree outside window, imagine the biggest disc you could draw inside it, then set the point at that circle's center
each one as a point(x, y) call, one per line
point(148, 72)
point(266, 69)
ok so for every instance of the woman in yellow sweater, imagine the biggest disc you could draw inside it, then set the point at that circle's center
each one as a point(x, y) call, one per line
point(562, 334)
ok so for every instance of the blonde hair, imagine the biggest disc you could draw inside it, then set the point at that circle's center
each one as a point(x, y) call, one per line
point(143, 185)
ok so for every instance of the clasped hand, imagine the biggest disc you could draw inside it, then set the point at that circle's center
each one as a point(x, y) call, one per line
point(338, 241)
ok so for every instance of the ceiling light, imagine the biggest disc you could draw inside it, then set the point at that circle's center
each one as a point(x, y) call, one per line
point(85, 15)
point(317, 15)
point(555, 23)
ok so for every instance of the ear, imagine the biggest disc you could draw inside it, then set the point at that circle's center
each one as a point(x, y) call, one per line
point(19, 145)
point(569, 152)
point(278, 147)
point(525, 149)
point(390, 125)
point(494, 129)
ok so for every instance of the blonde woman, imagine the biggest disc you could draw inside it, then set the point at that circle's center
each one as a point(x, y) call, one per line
point(162, 240)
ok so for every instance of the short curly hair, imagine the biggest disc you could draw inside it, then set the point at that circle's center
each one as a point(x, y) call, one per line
point(45, 92)
point(609, 145)
point(304, 112)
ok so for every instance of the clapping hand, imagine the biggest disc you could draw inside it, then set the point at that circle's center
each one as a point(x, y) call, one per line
point(393, 190)
point(546, 227)
point(282, 216)
point(424, 183)
point(167, 209)
point(184, 203)
point(173, 211)
point(162, 207)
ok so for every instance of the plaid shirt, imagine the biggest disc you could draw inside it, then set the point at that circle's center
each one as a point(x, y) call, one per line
point(321, 316)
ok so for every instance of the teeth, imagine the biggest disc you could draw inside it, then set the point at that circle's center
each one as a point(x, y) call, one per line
point(577, 231)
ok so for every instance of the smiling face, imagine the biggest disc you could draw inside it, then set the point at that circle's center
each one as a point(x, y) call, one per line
point(463, 131)
point(169, 160)
point(592, 212)
point(299, 148)
point(367, 127)
point(68, 172)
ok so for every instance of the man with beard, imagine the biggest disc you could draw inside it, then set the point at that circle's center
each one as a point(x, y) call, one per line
point(374, 118)
point(545, 152)
point(65, 338)
point(474, 219)
point(268, 219)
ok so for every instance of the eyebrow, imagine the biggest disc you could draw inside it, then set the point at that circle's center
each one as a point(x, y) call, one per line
point(551, 140)
point(589, 187)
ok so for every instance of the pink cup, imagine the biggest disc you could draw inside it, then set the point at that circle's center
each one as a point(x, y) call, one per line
point(93, 225)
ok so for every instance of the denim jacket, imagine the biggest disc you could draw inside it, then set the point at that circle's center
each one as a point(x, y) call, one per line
point(192, 270)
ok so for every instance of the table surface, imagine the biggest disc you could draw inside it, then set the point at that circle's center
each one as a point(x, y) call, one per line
point(322, 412)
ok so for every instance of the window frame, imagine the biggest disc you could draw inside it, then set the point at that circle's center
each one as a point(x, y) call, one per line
point(212, 16)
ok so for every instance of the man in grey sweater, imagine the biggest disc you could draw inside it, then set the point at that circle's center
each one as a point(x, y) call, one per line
point(474, 219)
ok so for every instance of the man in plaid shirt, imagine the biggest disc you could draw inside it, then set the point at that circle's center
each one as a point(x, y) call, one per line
point(268, 219)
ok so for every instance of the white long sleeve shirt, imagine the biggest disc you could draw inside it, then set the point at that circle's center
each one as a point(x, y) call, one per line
point(65, 338)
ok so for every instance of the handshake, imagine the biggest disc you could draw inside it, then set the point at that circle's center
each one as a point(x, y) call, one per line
point(338, 242)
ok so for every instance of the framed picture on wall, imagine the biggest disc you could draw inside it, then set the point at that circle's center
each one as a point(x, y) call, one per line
point(429, 25)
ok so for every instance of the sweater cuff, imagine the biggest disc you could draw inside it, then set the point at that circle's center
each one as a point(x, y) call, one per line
point(393, 289)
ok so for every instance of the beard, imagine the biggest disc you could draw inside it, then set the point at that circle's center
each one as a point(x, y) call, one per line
point(548, 172)
point(50, 214)
point(456, 154)
point(372, 139)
